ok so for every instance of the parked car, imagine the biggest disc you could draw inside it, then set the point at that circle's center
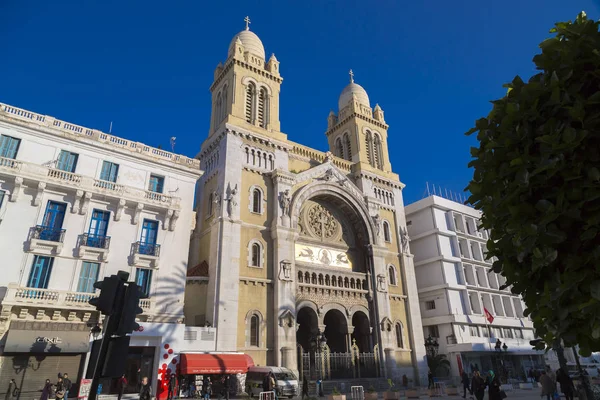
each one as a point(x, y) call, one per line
point(287, 382)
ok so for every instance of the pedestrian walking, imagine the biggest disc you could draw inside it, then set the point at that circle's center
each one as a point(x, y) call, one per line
point(478, 385)
point(145, 389)
point(122, 384)
point(60, 388)
point(547, 386)
point(273, 385)
point(466, 384)
point(172, 387)
point(305, 387)
point(566, 384)
point(46, 390)
point(226, 387)
point(430, 379)
point(405, 381)
point(67, 384)
point(493, 385)
point(207, 388)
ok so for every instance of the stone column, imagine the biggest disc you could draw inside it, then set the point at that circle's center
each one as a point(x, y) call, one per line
point(224, 260)
point(284, 272)
point(381, 303)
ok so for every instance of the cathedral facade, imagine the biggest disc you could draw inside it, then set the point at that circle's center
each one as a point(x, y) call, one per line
point(296, 247)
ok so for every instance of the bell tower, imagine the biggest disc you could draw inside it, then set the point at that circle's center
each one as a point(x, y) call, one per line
point(245, 90)
point(358, 133)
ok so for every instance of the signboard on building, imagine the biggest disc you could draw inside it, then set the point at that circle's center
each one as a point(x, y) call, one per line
point(84, 388)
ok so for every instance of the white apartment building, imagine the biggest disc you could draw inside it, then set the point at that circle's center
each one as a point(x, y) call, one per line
point(455, 285)
point(77, 204)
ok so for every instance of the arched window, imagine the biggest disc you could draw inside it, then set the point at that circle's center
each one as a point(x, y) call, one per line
point(392, 275)
point(218, 105)
point(255, 256)
point(250, 102)
point(399, 339)
point(263, 110)
point(339, 150)
point(224, 104)
point(377, 156)
point(256, 201)
point(369, 148)
point(347, 148)
point(254, 330)
point(209, 206)
point(386, 232)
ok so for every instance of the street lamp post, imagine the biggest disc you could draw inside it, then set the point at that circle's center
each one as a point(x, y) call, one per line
point(319, 341)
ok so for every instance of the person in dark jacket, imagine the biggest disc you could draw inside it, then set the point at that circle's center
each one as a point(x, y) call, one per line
point(122, 384)
point(430, 379)
point(566, 384)
point(172, 387)
point(466, 384)
point(478, 385)
point(60, 388)
point(46, 390)
point(145, 389)
point(67, 384)
point(493, 384)
point(305, 387)
point(207, 388)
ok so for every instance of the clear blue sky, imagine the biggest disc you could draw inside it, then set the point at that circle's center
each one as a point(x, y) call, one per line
point(433, 66)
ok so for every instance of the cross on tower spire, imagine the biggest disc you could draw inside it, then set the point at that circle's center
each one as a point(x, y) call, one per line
point(351, 76)
point(247, 21)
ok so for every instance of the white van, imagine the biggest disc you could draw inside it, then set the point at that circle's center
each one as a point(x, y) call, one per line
point(287, 382)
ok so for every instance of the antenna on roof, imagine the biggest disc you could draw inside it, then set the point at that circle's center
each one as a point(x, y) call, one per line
point(110, 128)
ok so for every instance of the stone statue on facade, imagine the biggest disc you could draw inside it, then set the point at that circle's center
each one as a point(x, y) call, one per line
point(285, 200)
point(404, 239)
point(377, 223)
point(231, 201)
point(217, 201)
point(328, 175)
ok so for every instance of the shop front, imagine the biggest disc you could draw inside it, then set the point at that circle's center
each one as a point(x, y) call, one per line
point(36, 351)
point(196, 368)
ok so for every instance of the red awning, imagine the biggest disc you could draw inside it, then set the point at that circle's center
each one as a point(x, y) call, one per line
point(224, 363)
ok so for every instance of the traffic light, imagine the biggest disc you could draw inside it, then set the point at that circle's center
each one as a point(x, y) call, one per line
point(110, 288)
point(131, 308)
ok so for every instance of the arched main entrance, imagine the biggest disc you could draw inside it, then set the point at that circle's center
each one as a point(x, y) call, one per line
point(334, 229)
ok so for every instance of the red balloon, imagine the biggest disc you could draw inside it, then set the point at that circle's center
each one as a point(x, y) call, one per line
point(165, 356)
point(164, 366)
point(174, 361)
point(166, 345)
point(170, 351)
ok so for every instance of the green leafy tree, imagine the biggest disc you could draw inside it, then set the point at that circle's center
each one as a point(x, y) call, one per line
point(438, 364)
point(537, 181)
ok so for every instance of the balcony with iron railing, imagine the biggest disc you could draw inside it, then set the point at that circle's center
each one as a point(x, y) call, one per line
point(46, 238)
point(145, 254)
point(94, 245)
point(72, 181)
point(59, 299)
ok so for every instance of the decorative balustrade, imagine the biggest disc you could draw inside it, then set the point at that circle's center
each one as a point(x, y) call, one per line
point(96, 135)
point(43, 174)
point(333, 280)
point(18, 295)
point(146, 249)
point(97, 241)
point(47, 233)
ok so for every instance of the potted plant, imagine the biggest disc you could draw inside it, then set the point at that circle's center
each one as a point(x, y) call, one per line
point(336, 395)
point(371, 393)
point(392, 393)
point(412, 393)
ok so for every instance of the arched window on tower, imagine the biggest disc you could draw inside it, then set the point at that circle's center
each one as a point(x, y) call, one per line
point(223, 104)
point(392, 275)
point(399, 338)
point(347, 148)
point(254, 330)
point(339, 150)
point(263, 110)
point(255, 256)
point(256, 201)
point(369, 148)
point(217, 114)
point(377, 155)
point(386, 232)
point(250, 102)
point(209, 206)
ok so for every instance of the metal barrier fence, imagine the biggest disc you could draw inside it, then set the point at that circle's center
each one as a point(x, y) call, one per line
point(358, 393)
point(266, 396)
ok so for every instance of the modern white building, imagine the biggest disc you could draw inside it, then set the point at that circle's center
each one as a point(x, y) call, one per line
point(77, 204)
point(456, 286)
